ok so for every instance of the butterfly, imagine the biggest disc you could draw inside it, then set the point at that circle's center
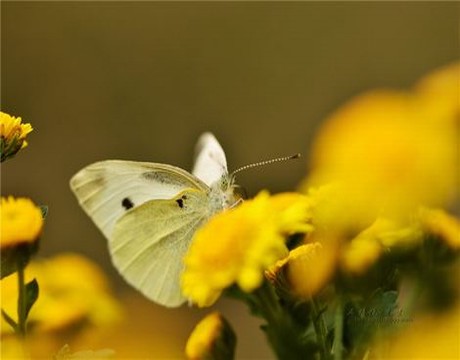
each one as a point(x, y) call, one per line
point(149, 213)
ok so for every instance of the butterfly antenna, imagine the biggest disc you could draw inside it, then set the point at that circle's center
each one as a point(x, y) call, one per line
point(265, 162)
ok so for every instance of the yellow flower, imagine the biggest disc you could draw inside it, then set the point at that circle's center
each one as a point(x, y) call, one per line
point(361, 237)
point(305, 271)
point(367, 247)
point(440, 223)
point(237, 245)
point(21, 225)
point(335, 213)
point(293, 212)
point(73, 291)
point(360, 254)
point(12, 135)
point(212, 338)
point(391, 151)
point(21, 221)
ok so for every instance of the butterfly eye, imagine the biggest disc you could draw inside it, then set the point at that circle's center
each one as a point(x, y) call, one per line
point(224, 182)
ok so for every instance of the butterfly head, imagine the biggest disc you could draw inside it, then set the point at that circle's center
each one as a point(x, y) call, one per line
point(233, 194)
point(223, 193)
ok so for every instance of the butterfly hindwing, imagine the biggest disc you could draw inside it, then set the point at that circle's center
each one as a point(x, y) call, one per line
point(107, 189)
point(149, 241)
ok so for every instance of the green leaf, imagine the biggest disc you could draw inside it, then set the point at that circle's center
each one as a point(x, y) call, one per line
point(32, 291)
point(8, 263)
point(387, 302)
point(9, 320)
point(12, 256)
point(44, 209)
point(365, 317)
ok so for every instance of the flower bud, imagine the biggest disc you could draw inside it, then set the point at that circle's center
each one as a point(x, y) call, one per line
point(212, 338)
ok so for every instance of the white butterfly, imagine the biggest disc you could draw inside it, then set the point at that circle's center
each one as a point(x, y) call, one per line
point(149, 213)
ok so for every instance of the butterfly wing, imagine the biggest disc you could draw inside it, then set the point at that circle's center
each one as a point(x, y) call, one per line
point(150, 241)
point(210, 162)
point(107, 189)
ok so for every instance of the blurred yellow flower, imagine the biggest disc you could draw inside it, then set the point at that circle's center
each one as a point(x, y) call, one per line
point(212, 338)
point(440, 223)
point(389, 152)
point(367, 247)
point(73, 291)
point(334, 212)
point(12, 135)
point(439, 93)
point(305, 271)
point(237, 245)
point(360, 254)
point(435, 336)
point(392, 234)
point(293, 212)
point(21, 221)
point(13, 348)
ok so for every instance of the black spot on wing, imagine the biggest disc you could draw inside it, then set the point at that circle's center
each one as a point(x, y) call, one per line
point(180, 201)
point(127, 203)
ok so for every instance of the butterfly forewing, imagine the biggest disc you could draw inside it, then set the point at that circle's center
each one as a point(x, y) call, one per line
point(149, 213)
point(210, 162)
point(149, 242)
point(107, 189)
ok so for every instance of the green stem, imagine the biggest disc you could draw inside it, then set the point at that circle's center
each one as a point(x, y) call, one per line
point(338, 332)
point(320, 329)
point(282, 333)
point(22, 306)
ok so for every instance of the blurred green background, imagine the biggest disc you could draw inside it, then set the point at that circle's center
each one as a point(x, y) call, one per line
point(142, 80)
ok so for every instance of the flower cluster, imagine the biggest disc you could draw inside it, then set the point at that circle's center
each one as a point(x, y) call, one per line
point(388, 152)
point(42, 297)
point(374, 246)
point(66, 298)
point(236, 246)
point(360, 262)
